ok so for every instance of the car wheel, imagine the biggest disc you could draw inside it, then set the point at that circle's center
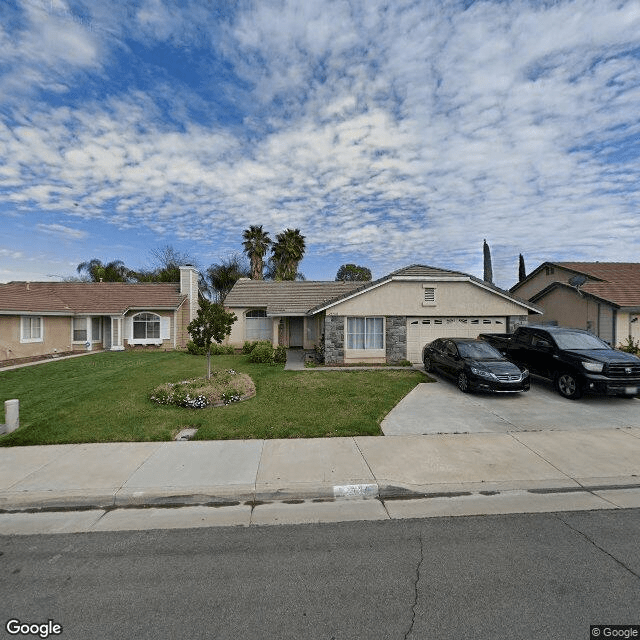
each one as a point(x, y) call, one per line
point(428, 365)
point(568, 386)
point(463, 382)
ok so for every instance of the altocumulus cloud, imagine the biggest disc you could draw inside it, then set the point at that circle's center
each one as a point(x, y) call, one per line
point(389, 133)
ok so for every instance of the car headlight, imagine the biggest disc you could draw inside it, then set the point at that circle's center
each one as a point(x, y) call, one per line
point(487, 375)
point(596, 367)
point(525, 373)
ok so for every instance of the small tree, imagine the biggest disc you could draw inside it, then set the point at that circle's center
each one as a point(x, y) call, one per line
point(353, 272)
point(212, 323)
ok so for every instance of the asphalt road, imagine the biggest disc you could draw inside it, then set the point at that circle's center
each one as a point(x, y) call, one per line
point(518, 576)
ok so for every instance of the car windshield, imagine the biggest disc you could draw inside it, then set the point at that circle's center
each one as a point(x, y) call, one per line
point(576, 340)
point(480, 350)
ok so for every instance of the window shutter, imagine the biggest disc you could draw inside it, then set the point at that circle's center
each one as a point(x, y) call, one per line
point(127, 333)
point(165, 328)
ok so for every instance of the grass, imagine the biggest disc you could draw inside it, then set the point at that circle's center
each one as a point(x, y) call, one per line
point(104, 398)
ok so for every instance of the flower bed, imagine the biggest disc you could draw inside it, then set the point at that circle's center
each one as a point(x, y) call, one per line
point(224, 387)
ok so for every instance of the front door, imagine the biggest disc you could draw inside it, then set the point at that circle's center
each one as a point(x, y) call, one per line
point(296, 332)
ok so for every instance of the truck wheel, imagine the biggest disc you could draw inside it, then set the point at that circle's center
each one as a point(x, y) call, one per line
point(568, 386)
point(428, 365)
point(463, 382)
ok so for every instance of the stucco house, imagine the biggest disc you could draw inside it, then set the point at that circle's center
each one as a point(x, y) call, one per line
point(602, 297)
point(387, 320)
point(48, 318)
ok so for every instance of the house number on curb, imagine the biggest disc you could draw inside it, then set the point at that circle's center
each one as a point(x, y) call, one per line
point(355, 491)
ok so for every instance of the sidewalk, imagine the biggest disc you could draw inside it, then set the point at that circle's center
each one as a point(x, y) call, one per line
point(541, 463)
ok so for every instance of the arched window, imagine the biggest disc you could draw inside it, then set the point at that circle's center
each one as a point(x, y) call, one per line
point(146, 326)
point(257, 325)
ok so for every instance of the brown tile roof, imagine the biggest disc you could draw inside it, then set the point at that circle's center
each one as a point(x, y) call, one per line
point(619, 282)
point(291, 297)
point(301, 297)
point(69, 298)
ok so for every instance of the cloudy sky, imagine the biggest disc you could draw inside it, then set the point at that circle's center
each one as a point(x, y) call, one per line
point(389, 133)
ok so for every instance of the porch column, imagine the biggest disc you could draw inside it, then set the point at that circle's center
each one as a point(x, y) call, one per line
point(116, 334)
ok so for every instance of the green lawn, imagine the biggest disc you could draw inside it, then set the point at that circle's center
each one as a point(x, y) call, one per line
point(103, 398)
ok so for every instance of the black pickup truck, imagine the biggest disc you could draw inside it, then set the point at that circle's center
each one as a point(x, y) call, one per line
point(576, 360)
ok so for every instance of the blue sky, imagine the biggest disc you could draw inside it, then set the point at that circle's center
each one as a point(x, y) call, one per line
point(389, 133)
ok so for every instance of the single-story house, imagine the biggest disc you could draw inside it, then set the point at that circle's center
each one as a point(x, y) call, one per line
point(46, 318)
point(601, 297)
point(387, 320)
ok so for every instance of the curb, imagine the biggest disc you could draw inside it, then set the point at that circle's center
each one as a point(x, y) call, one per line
point(224, 497)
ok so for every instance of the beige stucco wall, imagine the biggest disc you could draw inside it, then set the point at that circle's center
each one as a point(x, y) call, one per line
point(542, 280)
point(407, 299)
point(56, 338)
point(569, 309)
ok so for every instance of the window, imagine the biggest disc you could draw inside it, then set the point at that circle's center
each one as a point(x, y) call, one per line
point(31, 329)
point(146, 326)
point(258, 326)
point(79, 329)
point(96, 329)
point(365, 333)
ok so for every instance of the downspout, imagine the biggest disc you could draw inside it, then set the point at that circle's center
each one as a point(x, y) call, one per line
point(175, 329)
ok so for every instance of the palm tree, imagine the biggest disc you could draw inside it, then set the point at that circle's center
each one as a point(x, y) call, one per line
point(288, 251)
point(256, 243)
point(114, 271)
point(223, 275)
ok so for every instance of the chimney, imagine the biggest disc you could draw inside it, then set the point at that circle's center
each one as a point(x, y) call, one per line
point(189, 287)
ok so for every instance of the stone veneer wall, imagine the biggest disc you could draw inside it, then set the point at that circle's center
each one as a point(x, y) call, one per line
point(396, 338)
point(333, 339)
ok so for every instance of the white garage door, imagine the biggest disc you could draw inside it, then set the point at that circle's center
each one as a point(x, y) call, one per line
point(421, 331)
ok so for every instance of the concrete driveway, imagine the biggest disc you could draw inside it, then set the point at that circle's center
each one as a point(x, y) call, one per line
point(439, 407)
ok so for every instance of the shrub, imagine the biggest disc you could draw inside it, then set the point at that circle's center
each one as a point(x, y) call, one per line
point(262, 353)
point(247, 347)
point(280, 354)
point(195, 350)
point(221, 350)
point(631, 346)
point(216, 349)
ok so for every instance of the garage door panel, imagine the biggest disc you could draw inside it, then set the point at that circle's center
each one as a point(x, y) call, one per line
point(421, 331)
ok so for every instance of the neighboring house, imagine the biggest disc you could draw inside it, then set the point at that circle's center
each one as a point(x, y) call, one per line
point(45, 318)
point(601, 297)
point(387, 320)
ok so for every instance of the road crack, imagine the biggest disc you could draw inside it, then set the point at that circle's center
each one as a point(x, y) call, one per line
point(597, 546)
point(415, 589)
